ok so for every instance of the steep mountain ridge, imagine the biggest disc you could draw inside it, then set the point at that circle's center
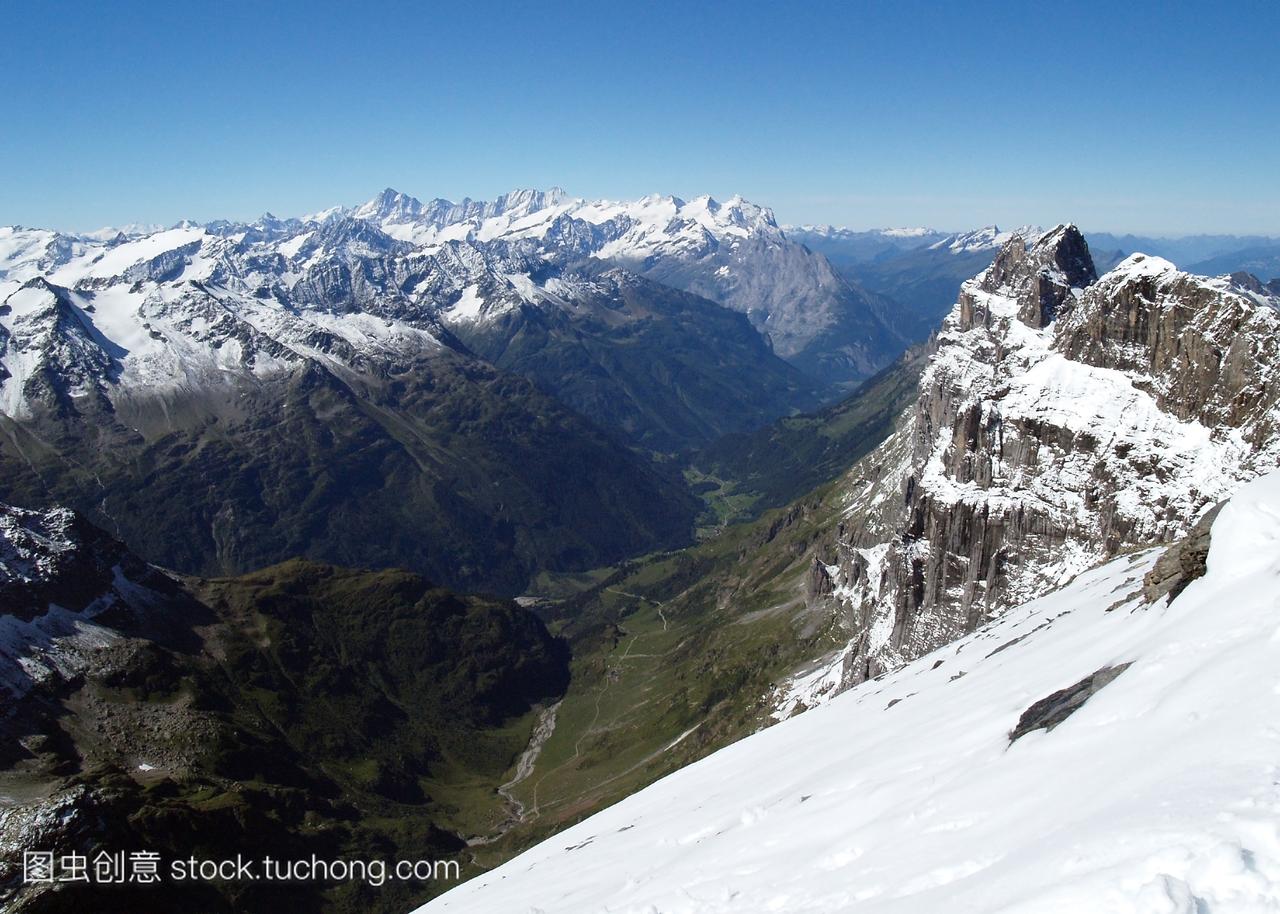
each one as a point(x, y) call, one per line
point(1061, 419)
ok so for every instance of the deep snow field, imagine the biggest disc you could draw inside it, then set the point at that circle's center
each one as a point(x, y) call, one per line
point(1159, 795)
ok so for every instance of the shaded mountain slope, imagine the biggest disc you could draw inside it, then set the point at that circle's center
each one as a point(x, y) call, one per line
point(670, 370)
point(234, 433)
point(746, 473)
point(300, 710)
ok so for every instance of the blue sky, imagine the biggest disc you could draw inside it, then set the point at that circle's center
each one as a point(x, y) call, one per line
point(1161, 118)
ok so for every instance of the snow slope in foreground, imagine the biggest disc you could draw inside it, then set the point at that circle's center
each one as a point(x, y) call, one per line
point(1160, 795)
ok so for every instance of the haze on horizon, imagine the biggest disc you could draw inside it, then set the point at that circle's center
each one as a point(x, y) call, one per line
point(1141, 118)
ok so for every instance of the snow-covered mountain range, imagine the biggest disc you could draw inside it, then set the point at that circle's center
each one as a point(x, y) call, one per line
point(733, 253)
point(396, 275)
point(227, 369)
point(847, 245)
point(486, 391)
point(660, 321)
point(1097, 749)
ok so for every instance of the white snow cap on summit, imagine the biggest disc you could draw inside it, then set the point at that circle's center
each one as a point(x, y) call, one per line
point(648, 222)
point(1142, 265)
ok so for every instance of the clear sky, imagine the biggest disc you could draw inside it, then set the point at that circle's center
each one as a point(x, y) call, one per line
point(1151, 117)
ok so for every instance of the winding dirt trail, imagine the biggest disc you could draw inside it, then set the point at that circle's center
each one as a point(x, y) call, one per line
point(636, 596)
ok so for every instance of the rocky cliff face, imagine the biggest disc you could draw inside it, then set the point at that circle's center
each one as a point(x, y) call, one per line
point(1062, 419)
point(56, 557)
point(832, 329)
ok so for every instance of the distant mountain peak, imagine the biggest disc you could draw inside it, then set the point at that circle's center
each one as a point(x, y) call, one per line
point(529, 199)
point(986, 238)
point(391, 204)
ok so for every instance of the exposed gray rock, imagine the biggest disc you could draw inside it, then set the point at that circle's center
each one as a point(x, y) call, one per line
point(1181, 563)
point(814, 318)
point(1061, 419)
point(1053, 709)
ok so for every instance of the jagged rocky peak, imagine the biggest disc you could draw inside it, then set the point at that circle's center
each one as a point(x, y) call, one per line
point(390, 205)
point(1203, 348)
point(393, 207)
point(1061, 419)
point(740, 213)
point(1041, 273)
point(60, 353)
point(527, 200)
point(354, 237)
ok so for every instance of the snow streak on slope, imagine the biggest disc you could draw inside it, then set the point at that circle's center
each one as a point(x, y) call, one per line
point(1160, 794)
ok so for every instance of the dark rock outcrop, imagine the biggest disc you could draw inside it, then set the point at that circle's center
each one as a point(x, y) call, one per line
point(1181, 563)
point(1053, 709)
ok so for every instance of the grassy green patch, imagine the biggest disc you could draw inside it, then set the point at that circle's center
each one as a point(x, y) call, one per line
point(674, 657)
